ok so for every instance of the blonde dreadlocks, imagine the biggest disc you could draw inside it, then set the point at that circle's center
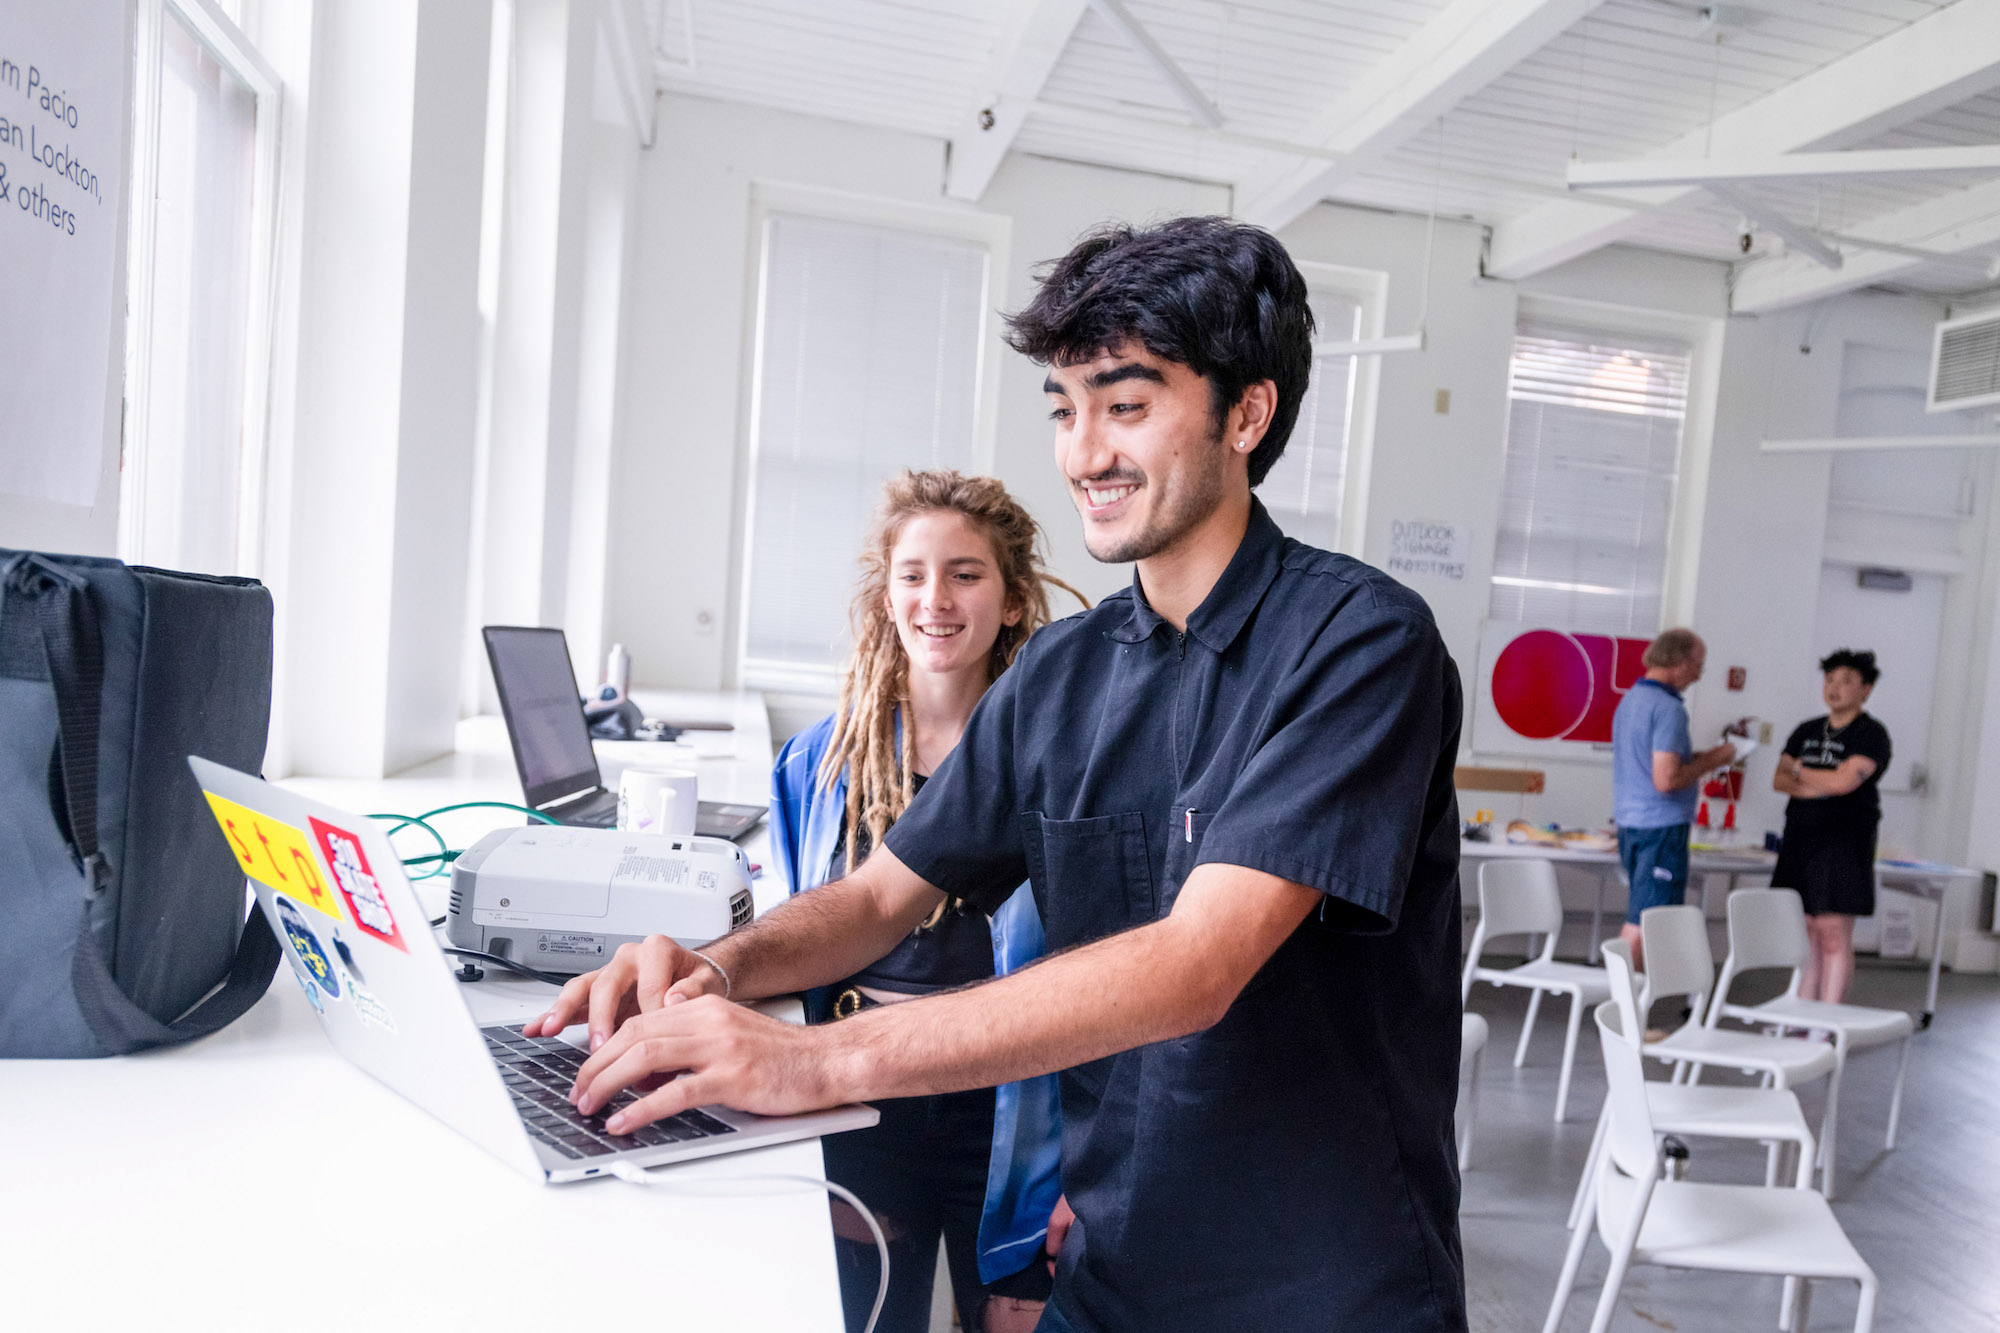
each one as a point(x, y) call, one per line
point(877, 680)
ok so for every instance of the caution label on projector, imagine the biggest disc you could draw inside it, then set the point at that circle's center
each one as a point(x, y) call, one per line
point(569, 945)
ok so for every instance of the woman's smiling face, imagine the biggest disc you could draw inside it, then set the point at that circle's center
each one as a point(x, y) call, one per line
point(946, 594)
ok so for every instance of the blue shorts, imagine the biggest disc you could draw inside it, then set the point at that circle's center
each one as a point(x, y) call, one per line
point(1656, 865)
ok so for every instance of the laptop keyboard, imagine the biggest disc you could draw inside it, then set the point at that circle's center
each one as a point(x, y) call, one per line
point(540, 1071)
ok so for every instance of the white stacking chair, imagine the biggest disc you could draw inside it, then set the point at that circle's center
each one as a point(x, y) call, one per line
point(1472, 1035)
point(1520, 898)
point(1644, 1218)
point(1678, 962)
point(1693, 1110)
point(1767, 928)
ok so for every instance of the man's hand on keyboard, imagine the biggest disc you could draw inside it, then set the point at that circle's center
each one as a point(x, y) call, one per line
point(640, 979)
point(722, 1052)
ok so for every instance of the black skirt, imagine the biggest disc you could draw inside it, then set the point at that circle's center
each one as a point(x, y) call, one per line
point(1833, 873)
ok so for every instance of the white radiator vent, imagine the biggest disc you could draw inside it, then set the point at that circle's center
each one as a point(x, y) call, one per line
point(1965, 362)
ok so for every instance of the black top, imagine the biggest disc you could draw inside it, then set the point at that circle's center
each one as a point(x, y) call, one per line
point(1290, 1167)
point(1819, 744)
point(953, 948)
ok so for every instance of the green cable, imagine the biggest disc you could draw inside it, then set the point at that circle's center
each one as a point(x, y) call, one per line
point(405, 821)
point(529, 811)
point(440, 864)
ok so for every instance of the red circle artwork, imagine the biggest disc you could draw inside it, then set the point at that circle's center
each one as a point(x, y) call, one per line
point(1542, 684)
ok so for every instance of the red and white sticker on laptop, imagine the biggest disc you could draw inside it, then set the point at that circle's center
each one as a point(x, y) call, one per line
point(349, 864)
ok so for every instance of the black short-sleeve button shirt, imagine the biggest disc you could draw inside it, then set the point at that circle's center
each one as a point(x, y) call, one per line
point(1291, 1167)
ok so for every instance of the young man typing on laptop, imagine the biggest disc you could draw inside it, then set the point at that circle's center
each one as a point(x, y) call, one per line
point(1231, 787)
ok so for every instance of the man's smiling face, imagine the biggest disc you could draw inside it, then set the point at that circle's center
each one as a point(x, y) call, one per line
point(1137, 440)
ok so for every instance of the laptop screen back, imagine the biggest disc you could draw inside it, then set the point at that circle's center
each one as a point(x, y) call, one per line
point(531, 671)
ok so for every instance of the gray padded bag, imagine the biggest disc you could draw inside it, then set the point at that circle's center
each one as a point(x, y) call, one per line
point(122, 908)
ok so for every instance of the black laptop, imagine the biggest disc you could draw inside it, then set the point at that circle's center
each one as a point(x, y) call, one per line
point(544, 713)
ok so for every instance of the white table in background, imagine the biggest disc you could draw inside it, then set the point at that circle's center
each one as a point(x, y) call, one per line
point(1922, 878)
point(255, 1179)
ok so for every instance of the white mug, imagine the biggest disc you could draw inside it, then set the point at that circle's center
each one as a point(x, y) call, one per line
point(677, 805)
point(657, 800)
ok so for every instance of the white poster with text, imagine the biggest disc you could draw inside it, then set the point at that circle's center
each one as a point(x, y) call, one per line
point(63, 73)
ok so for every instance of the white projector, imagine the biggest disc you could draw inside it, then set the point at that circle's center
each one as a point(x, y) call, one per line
point(562, 899)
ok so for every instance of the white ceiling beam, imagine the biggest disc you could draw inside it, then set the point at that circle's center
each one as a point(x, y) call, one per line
point(1771, 219)
point(1466, 47)
point(1936, 62)
point(1401, 342)
point(1142, 40)
point(1856, 443)
point(1030, 45)
point(1781, 166)
point(1949, 225)
point(632, 66)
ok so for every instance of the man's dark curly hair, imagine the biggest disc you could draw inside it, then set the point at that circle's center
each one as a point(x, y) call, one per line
point(1863, 664)
point(1220, 297)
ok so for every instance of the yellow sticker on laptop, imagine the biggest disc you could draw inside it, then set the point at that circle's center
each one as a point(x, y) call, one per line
point(276, 854)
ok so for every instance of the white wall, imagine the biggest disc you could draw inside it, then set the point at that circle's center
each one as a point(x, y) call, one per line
point(684, 443)
point(1751, 524)
point(1421, 464)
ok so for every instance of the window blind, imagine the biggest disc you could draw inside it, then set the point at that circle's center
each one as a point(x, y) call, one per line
point(868, 363)
point(1306, 487)
point(182, 497)
point(1594, 428)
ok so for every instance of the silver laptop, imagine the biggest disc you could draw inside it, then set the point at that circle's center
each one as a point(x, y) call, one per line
point(360, 946)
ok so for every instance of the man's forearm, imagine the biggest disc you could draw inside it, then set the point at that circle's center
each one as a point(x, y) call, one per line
point(1697, 766)
point(1141, 986)
point(811, 939)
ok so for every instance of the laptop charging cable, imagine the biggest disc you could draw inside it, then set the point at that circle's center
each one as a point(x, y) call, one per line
point(638, 1175)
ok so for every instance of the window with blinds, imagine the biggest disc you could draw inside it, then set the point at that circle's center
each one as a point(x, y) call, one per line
point(1594, 427)
point(1306, 488)
point(868, 363)
point(188, 485)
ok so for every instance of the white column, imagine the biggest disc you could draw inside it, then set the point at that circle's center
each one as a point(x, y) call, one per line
point(387, 379)
point(535, 362)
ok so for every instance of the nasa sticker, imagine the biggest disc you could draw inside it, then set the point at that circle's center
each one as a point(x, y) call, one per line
point(315, 964)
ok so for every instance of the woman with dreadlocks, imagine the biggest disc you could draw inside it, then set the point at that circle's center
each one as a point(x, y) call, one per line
point(951, 586)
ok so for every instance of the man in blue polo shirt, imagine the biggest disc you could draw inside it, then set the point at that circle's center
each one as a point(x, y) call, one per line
point(1654, 772)
point(1231, 787)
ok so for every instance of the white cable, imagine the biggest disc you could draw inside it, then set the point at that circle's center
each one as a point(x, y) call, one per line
point(638, 1175)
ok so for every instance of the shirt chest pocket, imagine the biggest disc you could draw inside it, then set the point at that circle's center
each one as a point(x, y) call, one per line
point(1092, 877)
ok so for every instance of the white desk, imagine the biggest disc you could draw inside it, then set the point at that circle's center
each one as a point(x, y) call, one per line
point(1922, 878)
point(256, 1180)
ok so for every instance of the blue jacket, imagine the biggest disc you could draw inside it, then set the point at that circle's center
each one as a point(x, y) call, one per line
point(1022, 1181)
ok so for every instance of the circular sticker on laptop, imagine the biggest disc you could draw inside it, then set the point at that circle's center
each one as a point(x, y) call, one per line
point(313, 960)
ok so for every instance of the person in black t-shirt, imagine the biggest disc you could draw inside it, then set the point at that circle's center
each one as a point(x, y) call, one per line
point(1831, 768)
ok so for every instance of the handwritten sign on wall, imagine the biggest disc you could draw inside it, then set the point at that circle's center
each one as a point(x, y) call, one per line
point(63, 74)
point(1426, 548)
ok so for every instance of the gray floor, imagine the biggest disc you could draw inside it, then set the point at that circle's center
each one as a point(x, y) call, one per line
point(1926, 1216)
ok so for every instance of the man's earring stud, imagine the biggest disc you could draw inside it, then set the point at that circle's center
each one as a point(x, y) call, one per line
point(1243, 444)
